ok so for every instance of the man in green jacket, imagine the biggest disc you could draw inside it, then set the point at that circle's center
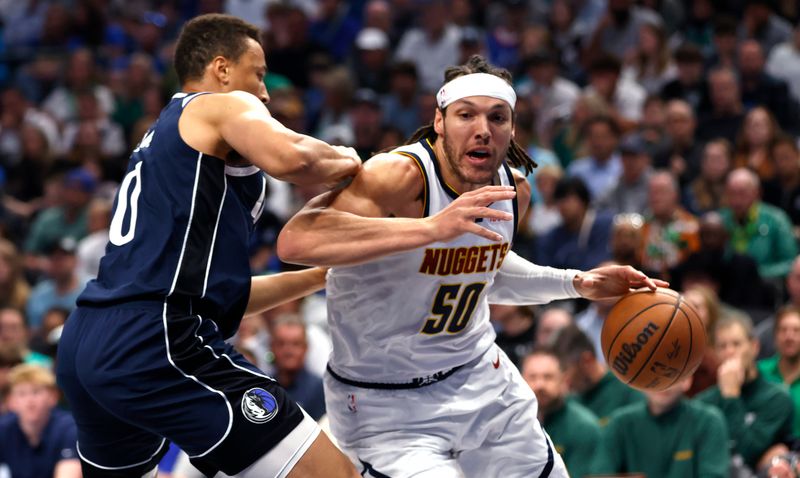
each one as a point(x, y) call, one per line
point(572, 427)
point(669, 436)
point(588, 377)
point(784, 367)
point(758, 413)
point(758, 229)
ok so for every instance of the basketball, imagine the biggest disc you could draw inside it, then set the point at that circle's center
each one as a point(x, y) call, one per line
point(652, 339)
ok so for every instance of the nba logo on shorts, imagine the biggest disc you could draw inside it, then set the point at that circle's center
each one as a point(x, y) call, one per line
point(351, 402)
point(259, 406)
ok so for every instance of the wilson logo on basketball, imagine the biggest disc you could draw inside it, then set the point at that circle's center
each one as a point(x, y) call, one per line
point(629, 351)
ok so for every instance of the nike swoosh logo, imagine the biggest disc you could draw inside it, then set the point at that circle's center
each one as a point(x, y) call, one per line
point(496, 363)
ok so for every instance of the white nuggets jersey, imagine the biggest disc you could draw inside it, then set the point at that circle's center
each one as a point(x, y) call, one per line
point(410, 315)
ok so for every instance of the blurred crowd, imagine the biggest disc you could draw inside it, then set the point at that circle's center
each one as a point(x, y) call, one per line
point(666, 134)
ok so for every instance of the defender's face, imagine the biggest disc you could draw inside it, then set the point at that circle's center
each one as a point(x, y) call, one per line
point(476, 133)
point(247, 72)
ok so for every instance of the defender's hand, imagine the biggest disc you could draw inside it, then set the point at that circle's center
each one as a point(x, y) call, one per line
point(459, 217)
point(350, 154)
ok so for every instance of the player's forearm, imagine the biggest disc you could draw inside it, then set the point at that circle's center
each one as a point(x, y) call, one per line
point(519, 282)
point(267, 292)
point(326, 237)
point(319, 162)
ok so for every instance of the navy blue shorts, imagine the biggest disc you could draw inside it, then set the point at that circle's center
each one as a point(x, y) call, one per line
point(141, 374)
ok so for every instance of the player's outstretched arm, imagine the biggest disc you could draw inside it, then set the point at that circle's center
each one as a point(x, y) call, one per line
point(239, 121)
point(613, 281)
point(520, 282)
point(379, 214)
point(267, 292)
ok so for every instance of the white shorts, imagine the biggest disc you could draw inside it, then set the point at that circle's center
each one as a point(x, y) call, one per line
point(479, 422)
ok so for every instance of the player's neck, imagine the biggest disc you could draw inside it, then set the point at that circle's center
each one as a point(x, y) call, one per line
point(203, 84)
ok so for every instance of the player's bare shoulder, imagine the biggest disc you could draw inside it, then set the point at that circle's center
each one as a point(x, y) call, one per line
point(205, 115)
point(393, 181)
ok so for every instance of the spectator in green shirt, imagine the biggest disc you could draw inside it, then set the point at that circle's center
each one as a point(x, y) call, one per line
point(758, 413)
point(758, 229)
point(66, 219)
point(669, 436)
point(784, 367)
point(571, 426)
point(594, 386)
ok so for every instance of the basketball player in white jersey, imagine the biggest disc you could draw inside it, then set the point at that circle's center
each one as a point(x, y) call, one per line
point(415, 385)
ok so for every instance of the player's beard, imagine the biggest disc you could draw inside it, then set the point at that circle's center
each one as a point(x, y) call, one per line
point(455, 160)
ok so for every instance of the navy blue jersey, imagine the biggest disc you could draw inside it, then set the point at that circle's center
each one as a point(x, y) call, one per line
point(181, 227)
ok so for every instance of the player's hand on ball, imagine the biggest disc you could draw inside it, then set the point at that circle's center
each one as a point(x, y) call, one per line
point(459, 217)
point(613, 281)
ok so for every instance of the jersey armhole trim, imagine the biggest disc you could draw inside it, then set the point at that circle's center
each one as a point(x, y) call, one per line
point(188, 98)
point(447, 188)
point(514, 204)
point(426, 190)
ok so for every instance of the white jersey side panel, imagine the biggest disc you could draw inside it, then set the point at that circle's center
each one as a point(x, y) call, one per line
point(412, 314)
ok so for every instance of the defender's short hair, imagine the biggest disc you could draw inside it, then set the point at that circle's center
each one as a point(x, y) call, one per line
point(209, 36)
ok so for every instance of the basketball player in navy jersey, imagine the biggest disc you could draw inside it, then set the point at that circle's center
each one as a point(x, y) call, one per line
point(143, 360)
point(415, 384)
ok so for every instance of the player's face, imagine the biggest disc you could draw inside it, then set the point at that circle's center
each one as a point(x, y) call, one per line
point(31, 402)
point(476, 133)
point(732, 343)
point(787, 336)
point(544, 376)
point(247, 72)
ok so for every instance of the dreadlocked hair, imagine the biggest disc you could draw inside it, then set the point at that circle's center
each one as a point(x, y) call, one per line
point(517, 156)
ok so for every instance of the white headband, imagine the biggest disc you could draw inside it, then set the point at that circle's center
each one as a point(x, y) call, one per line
point(476, 84)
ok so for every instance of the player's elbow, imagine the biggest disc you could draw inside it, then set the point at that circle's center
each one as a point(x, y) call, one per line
point(287, 247)
point(294, 247)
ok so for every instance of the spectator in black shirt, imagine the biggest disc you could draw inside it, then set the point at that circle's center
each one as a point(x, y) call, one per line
point(784, 189)
point(722, 269)
point(727, 112)
point(690, 85)
point(759, 88)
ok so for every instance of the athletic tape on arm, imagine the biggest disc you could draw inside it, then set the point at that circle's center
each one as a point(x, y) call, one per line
point(519, 282)
point(476, 84)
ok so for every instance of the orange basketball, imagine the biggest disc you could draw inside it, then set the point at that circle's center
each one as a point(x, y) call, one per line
point(653, 339)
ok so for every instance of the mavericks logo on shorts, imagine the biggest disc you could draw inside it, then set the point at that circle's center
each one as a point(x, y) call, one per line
point(259, 406)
